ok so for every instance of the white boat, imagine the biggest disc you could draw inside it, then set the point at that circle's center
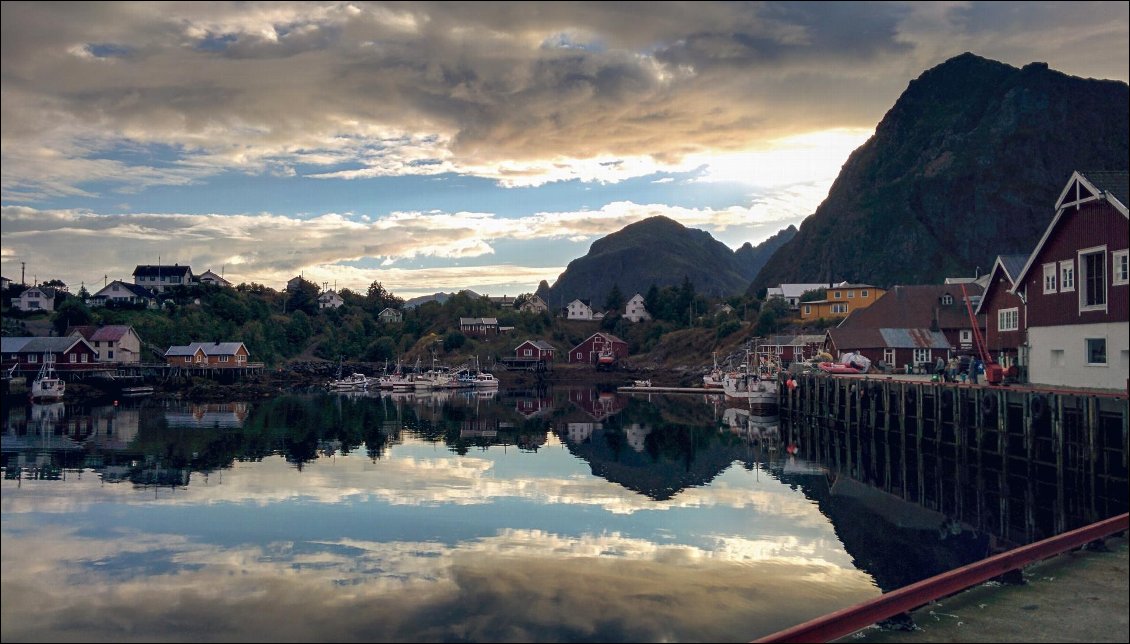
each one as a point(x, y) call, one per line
point(485, 380)
point(756, 382)
point(47, 386)
point(713, 379)
point(352, 382)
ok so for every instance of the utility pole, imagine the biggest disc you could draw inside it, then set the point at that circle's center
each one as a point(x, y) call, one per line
point(23, 267)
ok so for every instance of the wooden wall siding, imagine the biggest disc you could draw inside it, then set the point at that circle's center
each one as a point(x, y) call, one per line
point(1097, 224)
point(999, 298)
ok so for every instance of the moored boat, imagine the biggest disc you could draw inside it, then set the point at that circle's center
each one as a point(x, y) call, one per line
point(47, 386)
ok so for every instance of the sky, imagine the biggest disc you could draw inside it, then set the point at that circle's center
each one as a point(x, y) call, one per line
point(442, 146)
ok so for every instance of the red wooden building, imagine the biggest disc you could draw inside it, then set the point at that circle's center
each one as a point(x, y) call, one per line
point(597, 345)
point(535, 350)
point(1003, 311)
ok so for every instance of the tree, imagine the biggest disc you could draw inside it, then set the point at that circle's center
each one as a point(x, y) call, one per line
point(615, 299)
point(72, 312)
point(58, 285)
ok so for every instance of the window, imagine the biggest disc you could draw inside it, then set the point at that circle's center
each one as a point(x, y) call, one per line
point(1067, 276)
point(1121, 268)
point(527, 352)
point(966, 336)
point(839, 308)
point(807, 309)
point(1008, 319)
point(225, 358)
point(33, 359)
point(1096, 351)
point(889, 356)
point(110, 354)
point(863, 293)
point(1092, 279)
point(241, 359)
point(837, 295)
point(74, 357)
point(921, 356)
point(1049, 278)
point(947, 299)
point(85, 358)
point(851, 295)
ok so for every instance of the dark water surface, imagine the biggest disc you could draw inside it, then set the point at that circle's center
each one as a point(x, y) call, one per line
point(559, 515)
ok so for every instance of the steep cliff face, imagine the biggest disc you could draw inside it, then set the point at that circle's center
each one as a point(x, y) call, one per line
point(967, 165)
point(663, 252)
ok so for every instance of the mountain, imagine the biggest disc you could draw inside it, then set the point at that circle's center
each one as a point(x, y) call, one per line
point(966, 165)
point(434, 297)
point(658, 251)
point(751, 259)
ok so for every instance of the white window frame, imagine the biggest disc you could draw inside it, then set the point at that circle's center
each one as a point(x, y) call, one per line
point(851, 295)
point(837, 295)
point(1008, 319)
point(1050, 277)
point(1067, 276)
point(808, 309)
point(1087, 352)
point(839, 308)
point(1120, 260)
point(863, 293)
point(966, 336)
point(922, 356)
point(1083, 278)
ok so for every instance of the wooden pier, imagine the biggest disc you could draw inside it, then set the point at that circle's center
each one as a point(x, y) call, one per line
point(956, 447)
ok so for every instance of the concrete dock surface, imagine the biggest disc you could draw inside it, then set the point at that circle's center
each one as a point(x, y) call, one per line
point(1078, 596)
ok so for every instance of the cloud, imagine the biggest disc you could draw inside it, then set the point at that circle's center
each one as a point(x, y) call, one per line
point(522, 95)
point(348, 250)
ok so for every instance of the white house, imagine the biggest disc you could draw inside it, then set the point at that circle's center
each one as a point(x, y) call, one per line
point(157, 278)
point(791, 293)
point(390, 316)
point(533, 304)
point(330, 300)
point(636, 310)
point(208, 277)
point(116, 343)
point(35, 298)
point(122, 293)
point(578, 310)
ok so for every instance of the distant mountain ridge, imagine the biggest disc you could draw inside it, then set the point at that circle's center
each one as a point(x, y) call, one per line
point(660, 251)
point(966, 165)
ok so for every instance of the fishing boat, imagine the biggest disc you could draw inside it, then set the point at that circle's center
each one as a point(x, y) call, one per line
point(352, 382)
point(713, 379)
point(755, 381)
point(47, 386)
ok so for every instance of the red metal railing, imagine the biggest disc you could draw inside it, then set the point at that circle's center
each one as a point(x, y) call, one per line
point(849, 620)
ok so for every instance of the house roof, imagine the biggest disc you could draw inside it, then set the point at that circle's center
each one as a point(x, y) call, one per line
point(539, 344)
point(474, 321)
point(157, 270)
point(1113, 184)
point(1010, 266)
point(329, 295)
point(796, 290)
point(209, 349)
point(208, 274)
point(888, 338)
point(111, 332)
point(917, 306)
point(136, 289)
point(48, 292)
point(389, 309)
point(34, 344)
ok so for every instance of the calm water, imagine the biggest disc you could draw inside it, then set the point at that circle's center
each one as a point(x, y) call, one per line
point(560, 515)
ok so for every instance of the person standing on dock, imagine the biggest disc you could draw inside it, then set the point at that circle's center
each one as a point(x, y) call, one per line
point(973, 370)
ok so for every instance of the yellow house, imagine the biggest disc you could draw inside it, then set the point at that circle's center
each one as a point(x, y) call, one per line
point(842, 299)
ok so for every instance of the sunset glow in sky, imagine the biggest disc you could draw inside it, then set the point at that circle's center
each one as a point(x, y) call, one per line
point(440, 146)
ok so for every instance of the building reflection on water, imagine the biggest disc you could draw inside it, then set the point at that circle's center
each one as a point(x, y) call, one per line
point(901, 511)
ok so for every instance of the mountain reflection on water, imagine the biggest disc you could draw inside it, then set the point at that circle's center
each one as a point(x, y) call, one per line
point(543, 515)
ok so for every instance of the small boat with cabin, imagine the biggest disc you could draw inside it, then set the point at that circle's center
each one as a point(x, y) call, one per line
point(47, 386)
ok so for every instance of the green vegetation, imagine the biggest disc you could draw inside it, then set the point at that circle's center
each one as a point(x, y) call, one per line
point(284, 326)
